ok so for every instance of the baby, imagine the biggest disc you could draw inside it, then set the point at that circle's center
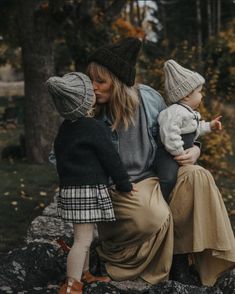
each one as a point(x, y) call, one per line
point(179, 124)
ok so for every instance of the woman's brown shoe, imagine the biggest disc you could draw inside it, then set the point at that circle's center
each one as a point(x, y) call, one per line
point(71, 287)
point(89, 278)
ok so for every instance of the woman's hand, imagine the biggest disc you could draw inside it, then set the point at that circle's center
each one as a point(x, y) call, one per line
point(190, 156)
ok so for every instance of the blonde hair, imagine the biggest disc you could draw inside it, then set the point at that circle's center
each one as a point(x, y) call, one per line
point(123, 99)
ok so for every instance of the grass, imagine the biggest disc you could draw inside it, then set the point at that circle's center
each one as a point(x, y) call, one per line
point(25, 189)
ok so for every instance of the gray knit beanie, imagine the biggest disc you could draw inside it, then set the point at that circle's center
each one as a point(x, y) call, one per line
point(180, 81)
point(73, 94)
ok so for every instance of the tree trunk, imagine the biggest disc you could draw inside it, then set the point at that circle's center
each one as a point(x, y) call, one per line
point(199, 30)
point(41, 119)
point(214, 22)
point(139, 20)
point(131, 12)
point(218, 16)
point(209, 18)
point(162, 13)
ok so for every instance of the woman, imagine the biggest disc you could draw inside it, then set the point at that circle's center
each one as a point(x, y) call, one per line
point(141, 242)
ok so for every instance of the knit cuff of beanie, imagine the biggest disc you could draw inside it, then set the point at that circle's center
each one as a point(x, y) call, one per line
point(185, 88)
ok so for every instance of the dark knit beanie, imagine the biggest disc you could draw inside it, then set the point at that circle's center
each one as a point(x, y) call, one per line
point(73, 94)
point(119, 58)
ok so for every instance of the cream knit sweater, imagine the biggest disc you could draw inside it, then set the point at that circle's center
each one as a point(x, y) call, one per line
point(176, 120)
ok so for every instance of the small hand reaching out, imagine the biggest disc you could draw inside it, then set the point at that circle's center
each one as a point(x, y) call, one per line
point(216, 123)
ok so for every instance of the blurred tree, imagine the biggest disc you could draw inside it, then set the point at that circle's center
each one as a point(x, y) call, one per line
point(186, 19)
point(28, 24)
point(36, 40)
point(73, 27)
point(88, 27)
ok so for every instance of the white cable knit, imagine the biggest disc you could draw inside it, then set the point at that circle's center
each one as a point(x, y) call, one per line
point(177, 120)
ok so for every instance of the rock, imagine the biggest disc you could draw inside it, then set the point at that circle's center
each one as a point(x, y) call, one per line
point(32, 268)
point(136, 286)
point(173, 287)
point(227, 282)
point(46, 229)
point(40, 266)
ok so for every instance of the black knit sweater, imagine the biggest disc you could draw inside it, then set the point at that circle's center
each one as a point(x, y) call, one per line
point(85, 155)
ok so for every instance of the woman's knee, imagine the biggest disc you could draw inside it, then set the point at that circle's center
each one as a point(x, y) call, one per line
point(151, 220)
point(192, 171)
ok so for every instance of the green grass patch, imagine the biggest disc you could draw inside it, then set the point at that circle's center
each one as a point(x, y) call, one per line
point(25, 190)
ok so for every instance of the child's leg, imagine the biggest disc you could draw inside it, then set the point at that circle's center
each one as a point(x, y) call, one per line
point(87, 276)
point(87, 262)
point(167, 169)
point(83, 235)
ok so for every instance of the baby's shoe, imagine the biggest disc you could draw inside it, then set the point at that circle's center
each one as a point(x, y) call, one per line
point(71, 286)
point(89, 278)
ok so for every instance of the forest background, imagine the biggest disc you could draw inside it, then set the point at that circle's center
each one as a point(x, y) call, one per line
point(39, 39)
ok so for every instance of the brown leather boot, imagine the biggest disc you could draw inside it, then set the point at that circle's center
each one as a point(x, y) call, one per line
point(89, 278)
point(71, 287)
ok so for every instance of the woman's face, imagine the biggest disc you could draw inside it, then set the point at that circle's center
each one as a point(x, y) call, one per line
point(102, 89)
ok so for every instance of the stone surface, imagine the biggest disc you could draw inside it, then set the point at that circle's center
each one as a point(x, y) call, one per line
point(40, 266)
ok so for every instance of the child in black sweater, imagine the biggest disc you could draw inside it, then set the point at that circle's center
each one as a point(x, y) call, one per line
point(85, 158)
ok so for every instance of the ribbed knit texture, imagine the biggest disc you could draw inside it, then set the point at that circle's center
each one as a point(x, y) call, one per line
point(120, 58)
point(73, 94)
point(85, 155)
point(180, 81)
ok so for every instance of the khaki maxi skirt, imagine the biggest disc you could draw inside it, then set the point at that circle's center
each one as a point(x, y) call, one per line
point(141, 242)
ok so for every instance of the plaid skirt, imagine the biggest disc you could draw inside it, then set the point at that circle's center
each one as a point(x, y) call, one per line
point(85, 204)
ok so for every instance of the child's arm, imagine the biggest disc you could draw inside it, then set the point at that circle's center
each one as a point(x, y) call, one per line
point(207, 127)
point(169, 127)
point(110, 159)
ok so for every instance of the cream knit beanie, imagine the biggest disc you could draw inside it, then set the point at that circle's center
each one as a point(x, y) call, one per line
point(73, 94)
point(180, 81)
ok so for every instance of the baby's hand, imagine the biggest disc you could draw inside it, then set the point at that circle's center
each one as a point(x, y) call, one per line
point(216, 123)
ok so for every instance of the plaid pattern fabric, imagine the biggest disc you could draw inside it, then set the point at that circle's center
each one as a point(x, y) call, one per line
point(84, 204)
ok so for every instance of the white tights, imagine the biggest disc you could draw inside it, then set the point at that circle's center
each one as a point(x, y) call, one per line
point(78, 257)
